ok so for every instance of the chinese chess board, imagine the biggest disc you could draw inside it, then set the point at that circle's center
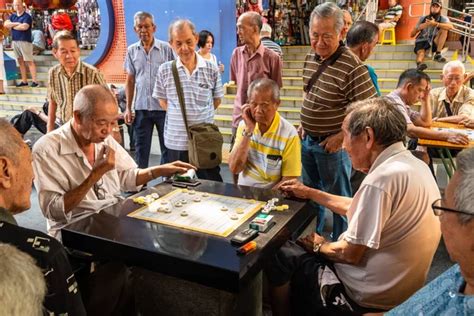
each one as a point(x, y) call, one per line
point(199, 211)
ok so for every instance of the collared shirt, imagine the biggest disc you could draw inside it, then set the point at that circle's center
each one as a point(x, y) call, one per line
point(144, 67)
point(63, 296)
point(244, 69)
point(61, 166)
point(62, 89)
point(268, 43)
point(409, 114)
point(391, 214)
point(272, 155)
point(199, 88)
point(345, 81)
point(463, 102)
point(442, 296)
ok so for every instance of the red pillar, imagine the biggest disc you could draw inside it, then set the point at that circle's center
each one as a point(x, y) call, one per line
point(406, 23)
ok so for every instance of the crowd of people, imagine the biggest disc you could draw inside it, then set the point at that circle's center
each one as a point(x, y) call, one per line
point(393, 217)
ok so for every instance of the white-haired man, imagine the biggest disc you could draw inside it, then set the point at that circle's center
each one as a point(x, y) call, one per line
point(266, 39)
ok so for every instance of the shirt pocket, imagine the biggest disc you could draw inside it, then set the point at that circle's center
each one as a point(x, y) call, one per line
point(273, 165)
point(202, 94)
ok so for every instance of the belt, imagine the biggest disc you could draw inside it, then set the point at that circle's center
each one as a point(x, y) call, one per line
point(320, 138)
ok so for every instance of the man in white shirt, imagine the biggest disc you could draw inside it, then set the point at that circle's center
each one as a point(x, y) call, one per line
point(80, 169)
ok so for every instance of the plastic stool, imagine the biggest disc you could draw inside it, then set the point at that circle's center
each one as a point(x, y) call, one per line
point(391, 40)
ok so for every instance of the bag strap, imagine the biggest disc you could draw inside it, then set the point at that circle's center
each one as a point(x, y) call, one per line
point(331, 60)
point(449, 112)
point(179, 90)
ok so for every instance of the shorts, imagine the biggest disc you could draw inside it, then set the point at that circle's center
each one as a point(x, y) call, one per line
point(425, 45)
point(23, 50)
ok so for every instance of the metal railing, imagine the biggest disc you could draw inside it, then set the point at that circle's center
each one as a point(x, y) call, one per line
point(369, 11)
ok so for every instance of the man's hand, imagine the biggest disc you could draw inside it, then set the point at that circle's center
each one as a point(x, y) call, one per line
point(105, 162)
point(425, 96)
point(169, 169)
point(309, 241)
point(128, 116)
point(301, 132)
point(468, 122)
point(458, 138)
point(248, 118)
point(294, 188)
point(332, 143)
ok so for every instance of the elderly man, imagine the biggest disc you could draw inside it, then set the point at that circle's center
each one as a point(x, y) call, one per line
point(391, 17)
point(67, 78)
point(347, 24)
point(141, 64)
point(202, 89)
point(454, 102)
point(413, 86)
point(267, 148)
point(266, 39)
point(451, 293)
point(327, 94)
point(20, 24)
point(80, 169)
point(391, 224)
point(251, 61)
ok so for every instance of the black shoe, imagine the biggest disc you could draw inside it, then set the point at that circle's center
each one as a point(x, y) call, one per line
point(421, 66)
point(34, 84)
point(22, 84)
point(439, 58)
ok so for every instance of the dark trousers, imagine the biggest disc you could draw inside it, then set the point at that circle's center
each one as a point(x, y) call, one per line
point(207, 174)
point(25, 120)
point(145, 121)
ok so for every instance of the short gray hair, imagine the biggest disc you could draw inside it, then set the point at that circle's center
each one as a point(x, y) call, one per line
point(328, 10)
point(266, 29)
point(264, 84)
point(361, 32)
point(22, 285)
point(380, 114)
point(254, 18)
point(179, 25)
point(89, 97)
point(142, 15)
point(453, 64)
point(464, 193)
point(10, 142)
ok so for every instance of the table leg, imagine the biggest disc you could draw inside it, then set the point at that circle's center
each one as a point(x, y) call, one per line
point(451, 160)
point(445, 163)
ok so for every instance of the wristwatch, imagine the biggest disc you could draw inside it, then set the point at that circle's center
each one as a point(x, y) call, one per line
point(317, 247)
point(247, 134)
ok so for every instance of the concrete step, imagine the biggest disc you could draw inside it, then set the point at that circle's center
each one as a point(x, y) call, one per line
point(225, 121)
point(25, 98)
point(402, 64)
point(295, 72)
point(395, 73)
point(18, 106)
point(391, 83)
point(287, 50)
point(295, 49)
point(27, 90)
point(394, 55)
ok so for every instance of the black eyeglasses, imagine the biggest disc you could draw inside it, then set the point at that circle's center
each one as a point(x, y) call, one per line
point(438, 209)
point(99, 189)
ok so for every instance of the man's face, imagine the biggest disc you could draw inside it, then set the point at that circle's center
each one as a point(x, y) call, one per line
point(96, 128)
point(415, 91)
point(453, 80)
point(145, 30)
point(68, 53)
point(391, 3)
point(368, 48)
point(245, 29)
point(18, 6)
point(347, 23)
point(184, 43)
point(262, 106)
point(435, 9)
point(323, 36)
point(357, 147)
point(22, 181)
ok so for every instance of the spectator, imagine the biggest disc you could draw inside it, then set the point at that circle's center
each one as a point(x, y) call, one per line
point(267, 148)
point(205, 44)
point(452, 292)
point(32, 116)
point(80, 169)
point(431, 32)
point(345, 80)
point(347, 24)
point(266, 39)
point(141, 64)
point(38, 41)
point(20, 24)
point(391, 224)
point(202, 90)
point(121, 97)
point(391, 17)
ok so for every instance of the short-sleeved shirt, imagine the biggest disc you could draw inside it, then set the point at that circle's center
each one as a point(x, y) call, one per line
point(429, 33)
point(272, 155)
point(144, 67)
point(23, 36)
point(345, 81)
point(37, 39)
point(244, 69)
point(409, 114)
point(63, 296)
point(393, 12)
point(199, 88)
point(62, 89)
point(268, 43)
point(391, 214)
point(61, 166)
point(442, 296)
point(463, 102)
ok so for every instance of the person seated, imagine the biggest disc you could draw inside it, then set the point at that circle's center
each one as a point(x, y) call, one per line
point(454, 102)
point(431, 32)
point(452, 292)
point(267, 148)
point(32, 116)
point(38, 41)
point(384, 255)
point(80, 169)
point(391, 17)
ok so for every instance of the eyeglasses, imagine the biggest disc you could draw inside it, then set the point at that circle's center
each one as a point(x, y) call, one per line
point(438, 209)
point(99, 189)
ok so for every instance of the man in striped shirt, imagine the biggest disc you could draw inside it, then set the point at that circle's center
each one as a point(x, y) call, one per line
point(325, 165)
point(267, 148)
point(391, 17)
point(266, 39)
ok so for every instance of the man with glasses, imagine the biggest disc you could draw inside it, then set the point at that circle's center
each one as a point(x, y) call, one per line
point(80, 169)
point(453, 291)
point(267, 148)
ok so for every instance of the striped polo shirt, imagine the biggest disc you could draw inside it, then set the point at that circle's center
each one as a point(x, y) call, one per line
point(272, 155)
point(199, 88)
point(345, 81)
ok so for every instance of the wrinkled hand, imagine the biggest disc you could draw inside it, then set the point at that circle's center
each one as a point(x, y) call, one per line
point(248, 118)
point(468, 122)
point(425, 96)
point(301, 132)
point(128, 117)
point(333, 143)
point(105, 161)
point(309, 241)
point(294, 188)
point(457, 138)
point(169, 169)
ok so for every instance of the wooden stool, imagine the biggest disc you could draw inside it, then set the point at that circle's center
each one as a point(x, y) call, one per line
point(391, 40)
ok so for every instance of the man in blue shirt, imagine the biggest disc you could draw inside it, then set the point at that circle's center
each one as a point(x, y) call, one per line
point(141, 64)
point(20, 25)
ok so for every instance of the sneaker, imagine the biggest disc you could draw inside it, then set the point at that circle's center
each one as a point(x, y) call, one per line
point(22, 84)
point(439, 58)
point(421, 66)
point(34, 84)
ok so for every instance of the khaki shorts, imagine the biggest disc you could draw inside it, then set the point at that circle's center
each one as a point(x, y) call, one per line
point(23, 50)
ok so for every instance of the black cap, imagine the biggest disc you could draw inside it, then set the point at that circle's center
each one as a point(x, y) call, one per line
point(437, 2)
